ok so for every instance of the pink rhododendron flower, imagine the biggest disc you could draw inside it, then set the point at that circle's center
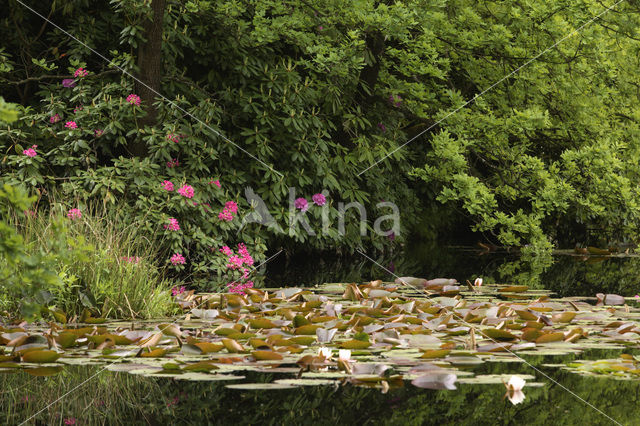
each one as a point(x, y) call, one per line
point(246, 257)
point(78, 108)
point(319, 199)
point(70, 421)
point(216, 183)
point(54, 118)
point(301, 203)
point(133, 99)
point(235, 262)
point(232, 206)
point(74, 214)
point(227, 251)
point(71, 125)
point(396, 100)
point(31, 152)
point(239, 287)
point(98, 132)
point(173, 225)
point(225, 215)
point(174, 138)
point(177, 290)
point(186, 191)
point(168, 185)
point(173, 163)
point(81, 72)
point(177, 259)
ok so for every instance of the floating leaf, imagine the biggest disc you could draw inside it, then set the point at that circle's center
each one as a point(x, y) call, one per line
point(40, 356)
point(266, 355)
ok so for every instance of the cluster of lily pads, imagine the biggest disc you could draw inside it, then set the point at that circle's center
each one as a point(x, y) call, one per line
point(377, 334)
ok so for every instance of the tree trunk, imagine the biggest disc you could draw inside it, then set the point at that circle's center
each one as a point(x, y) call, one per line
point(150, 66)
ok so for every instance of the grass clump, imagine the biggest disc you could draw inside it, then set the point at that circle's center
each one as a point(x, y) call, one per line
point(110, 272)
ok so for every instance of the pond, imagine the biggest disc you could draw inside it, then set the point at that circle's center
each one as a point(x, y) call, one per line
point(558, 389)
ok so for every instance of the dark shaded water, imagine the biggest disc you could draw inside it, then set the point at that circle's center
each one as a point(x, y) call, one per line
point(566, 398)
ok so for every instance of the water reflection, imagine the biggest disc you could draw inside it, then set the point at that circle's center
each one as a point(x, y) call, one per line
point(566, 275)
point(121, 398)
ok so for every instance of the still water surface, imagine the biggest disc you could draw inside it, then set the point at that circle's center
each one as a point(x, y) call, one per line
point(566, 398)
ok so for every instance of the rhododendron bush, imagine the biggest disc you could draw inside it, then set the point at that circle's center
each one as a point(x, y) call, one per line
point(243, 113)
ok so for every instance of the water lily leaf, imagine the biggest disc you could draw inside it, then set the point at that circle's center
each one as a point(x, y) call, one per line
point(302, 340)
point(208, 347)
point(151, 341)
point(66, 339)
point(306, 382)
point(202, 366)
point(261, 323)
point(192, 349)
point(437, 353)
point(40, 356)
point(354, 344)
point(309, 329)
point(261, 386)
point(514, 288)
point(436, 380)
point(324, 335)
point(232, 346)
point(564, 317)
point(550, 337)
point(266, 355)
point(156, 353)
point(170, 330)
point(498, 334)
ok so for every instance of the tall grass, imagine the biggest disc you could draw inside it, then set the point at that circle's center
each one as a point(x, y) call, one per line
point(113, 274)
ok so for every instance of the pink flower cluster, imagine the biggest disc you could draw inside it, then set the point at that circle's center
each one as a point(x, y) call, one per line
point(186, 191)
point(31, 152)
point(239, 288)
point(81, 72)
point(71, 125)
point(230, 207)
point(303, 205)
point(177, 290)
point(173, 163)
point(173, 138)
point(78, 108)
point(177, 259)
point(98, 132)
point(131, 259)
point(216, 183)
point(319, 199)
point(173, 225)
point(236, 262)
point(74, 214)
point(54, 118)
point(133, 99)
point(167, 185)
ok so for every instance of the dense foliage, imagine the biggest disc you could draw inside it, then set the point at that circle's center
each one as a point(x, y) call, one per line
point(263, 96)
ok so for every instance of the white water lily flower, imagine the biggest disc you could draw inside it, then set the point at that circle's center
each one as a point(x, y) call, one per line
point(344, 355)
point(324, 353)
point(478, 282)
point(515, 397)
point(515, 384)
